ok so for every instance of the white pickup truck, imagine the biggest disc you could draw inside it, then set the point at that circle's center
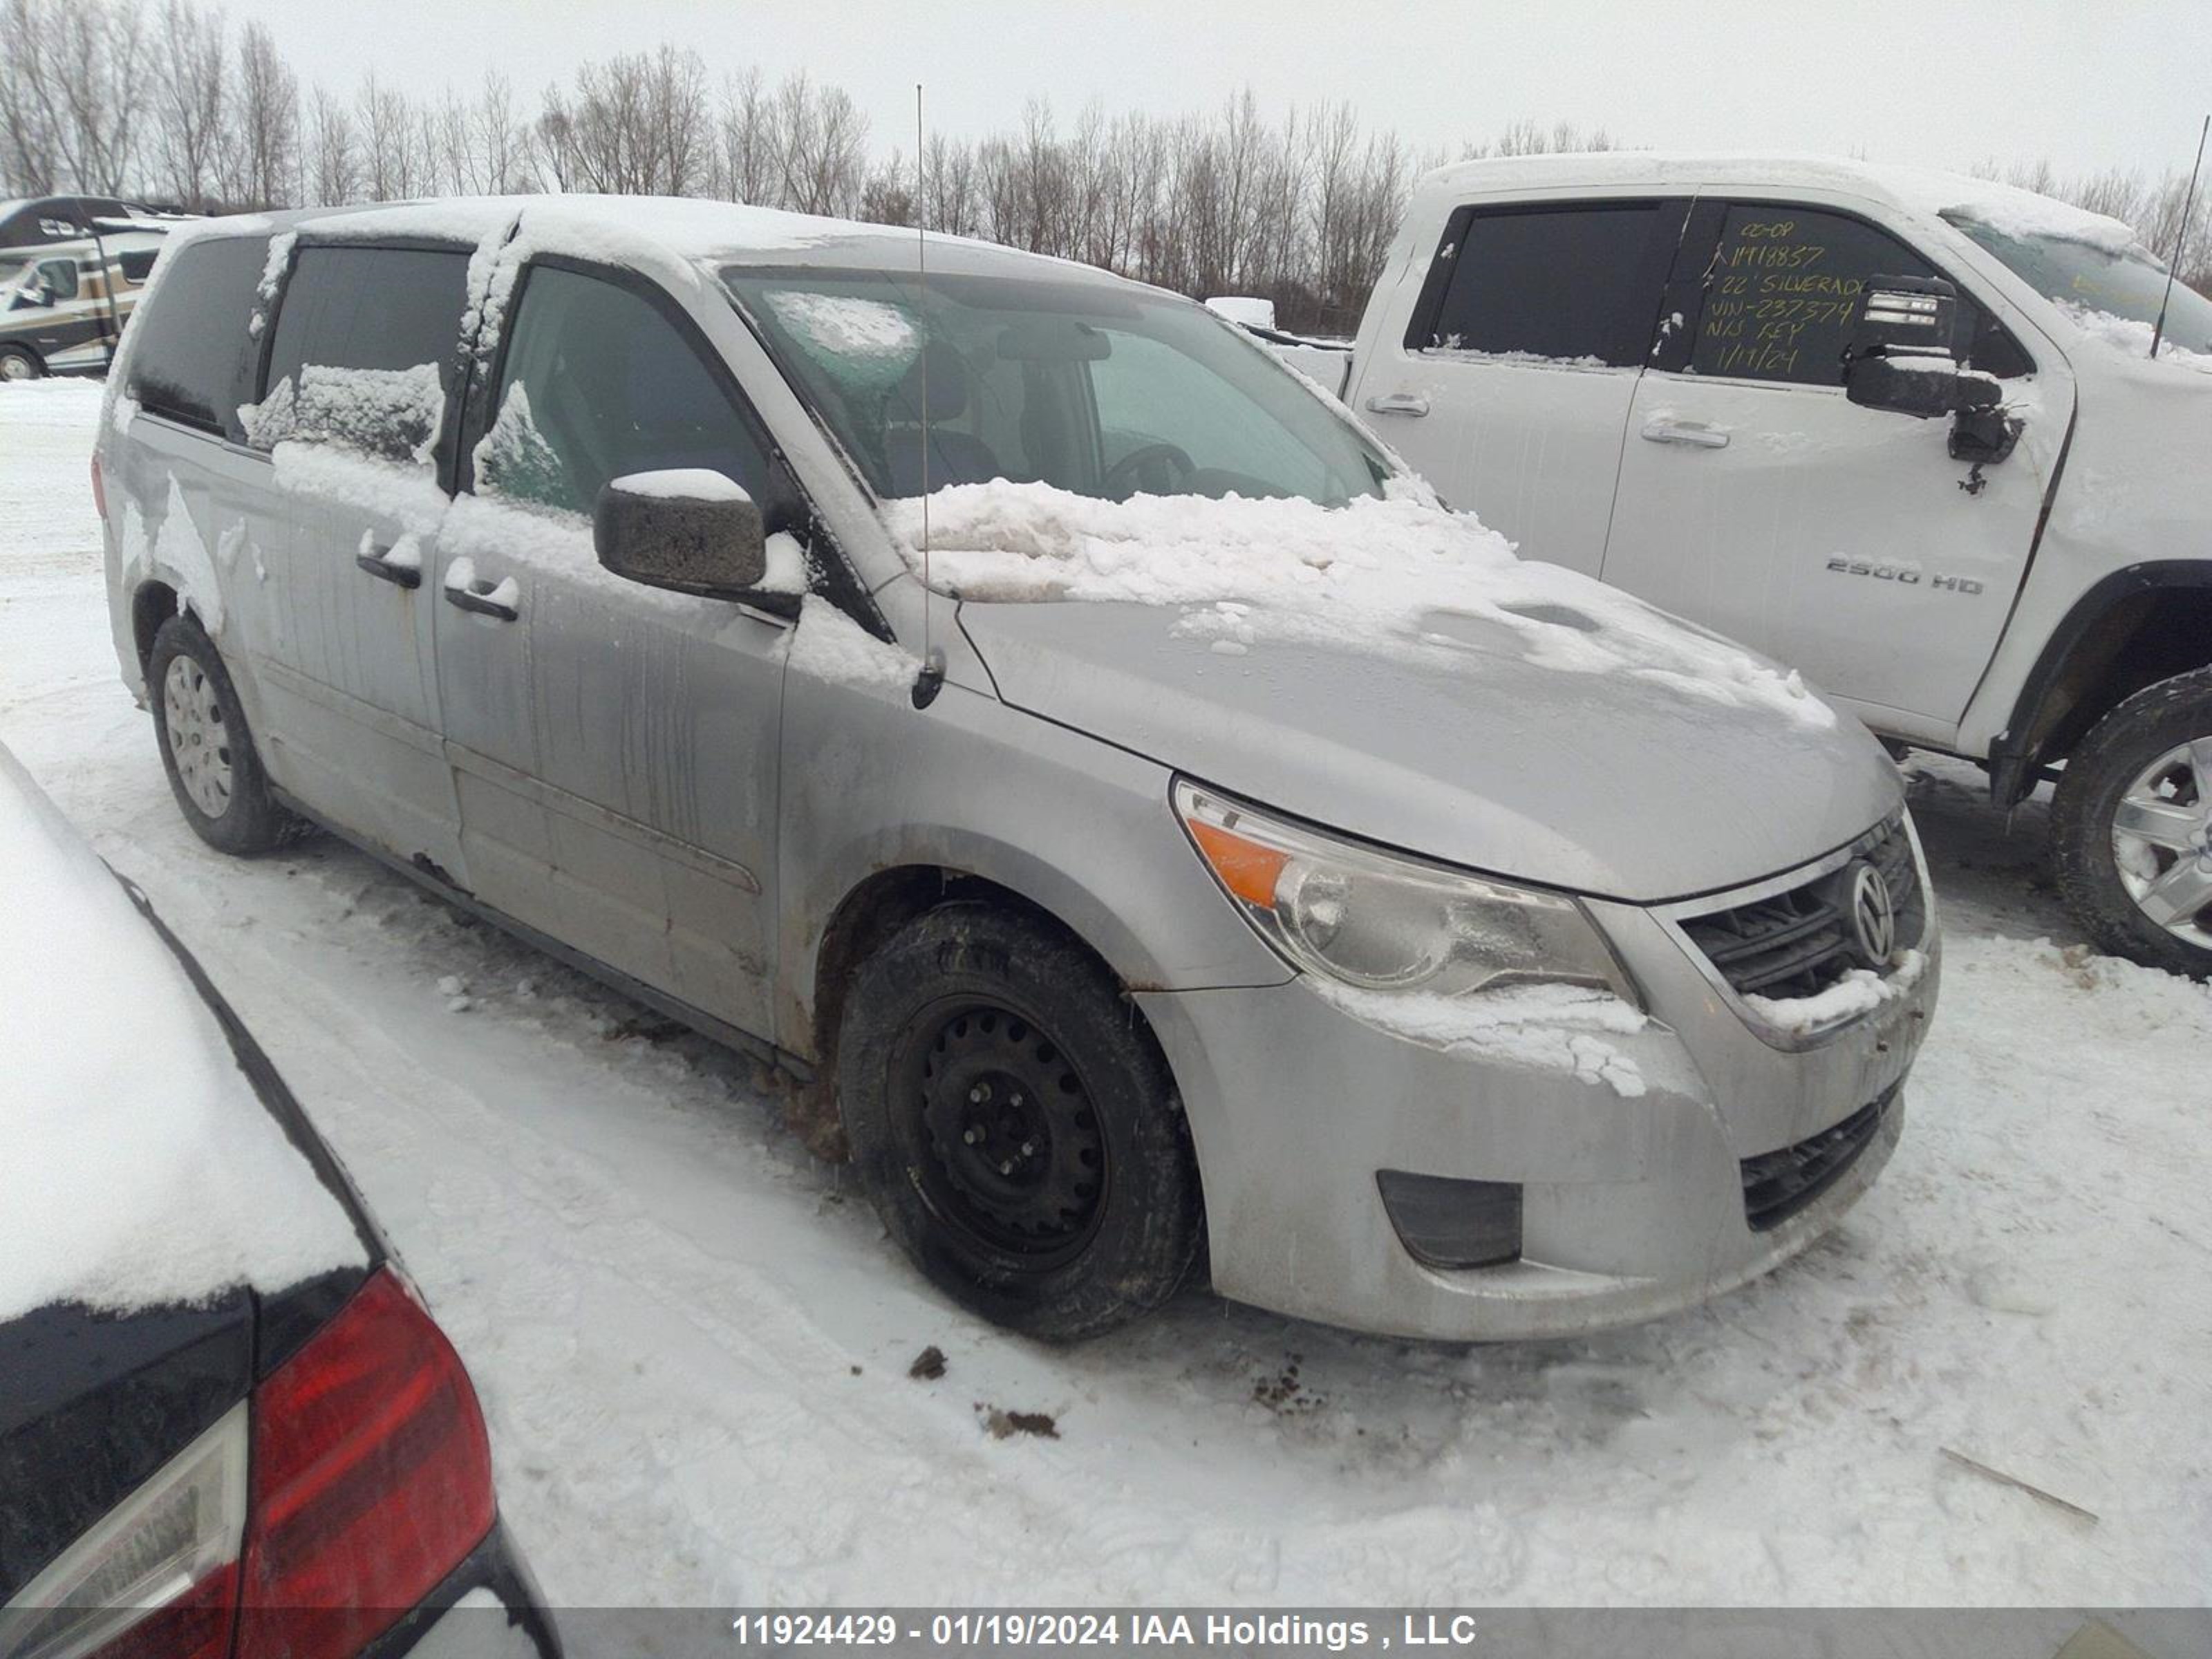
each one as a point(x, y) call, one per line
point(1668, 372)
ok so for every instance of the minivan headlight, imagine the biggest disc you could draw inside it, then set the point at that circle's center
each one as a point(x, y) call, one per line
point(1380, 921)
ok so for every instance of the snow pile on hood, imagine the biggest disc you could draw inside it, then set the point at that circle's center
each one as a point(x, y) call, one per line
point(1398, 574)
point(2131, 338)
point(141, 1170)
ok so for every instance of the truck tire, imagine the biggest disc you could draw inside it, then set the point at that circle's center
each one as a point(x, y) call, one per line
point(2132, 827)
point(1015, 1126)
point(18, 364)
point(214, 769)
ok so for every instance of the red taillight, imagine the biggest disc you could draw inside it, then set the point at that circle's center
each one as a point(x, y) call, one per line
point(372, 1480)
point(99, 489)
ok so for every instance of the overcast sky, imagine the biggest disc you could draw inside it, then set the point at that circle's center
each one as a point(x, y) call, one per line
point(2090, 83)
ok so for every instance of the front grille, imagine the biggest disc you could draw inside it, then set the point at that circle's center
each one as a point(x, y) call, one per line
point(1777, 1185)
point(1798, 943)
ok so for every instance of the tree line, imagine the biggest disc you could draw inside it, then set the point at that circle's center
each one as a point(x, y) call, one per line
point(164, 99)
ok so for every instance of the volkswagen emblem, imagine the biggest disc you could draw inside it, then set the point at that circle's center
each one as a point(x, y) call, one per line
point(1873, 915)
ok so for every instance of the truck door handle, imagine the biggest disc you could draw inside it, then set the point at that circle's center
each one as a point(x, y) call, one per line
point(1696, 434)
point(1399, 403)
point(377, 561)
point(502, 599)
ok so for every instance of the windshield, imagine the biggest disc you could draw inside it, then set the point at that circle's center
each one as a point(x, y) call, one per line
point(2086, 278)
point(1101, 390)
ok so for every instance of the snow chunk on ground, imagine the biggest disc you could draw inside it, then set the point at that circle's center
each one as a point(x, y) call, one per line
point(831, 645)
point(1558, 1028)
point(872, 344)
point(141, 1168)
point(1398, 573)
point(1857, 992)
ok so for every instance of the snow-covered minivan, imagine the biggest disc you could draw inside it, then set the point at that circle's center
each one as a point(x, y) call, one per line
point(1147, 827)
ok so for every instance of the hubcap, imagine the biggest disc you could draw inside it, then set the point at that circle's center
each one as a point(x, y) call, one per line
point(1015, 1156)
point(13, 368)
point(2162, 841)
point(199, 745)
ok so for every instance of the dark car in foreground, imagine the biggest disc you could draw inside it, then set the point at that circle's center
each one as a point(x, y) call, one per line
point(229, 1429)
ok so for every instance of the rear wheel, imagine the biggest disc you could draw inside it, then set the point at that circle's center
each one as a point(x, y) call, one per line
point(2132, 827)
point(1016, 1125)
point(214, 771)
point(17, 364)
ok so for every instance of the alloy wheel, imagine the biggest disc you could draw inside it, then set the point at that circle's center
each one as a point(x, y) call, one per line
point(199, 745)
point(2162, 841)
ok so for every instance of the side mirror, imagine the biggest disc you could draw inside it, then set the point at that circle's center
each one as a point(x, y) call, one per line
point(687, 528)
point(1900, 352)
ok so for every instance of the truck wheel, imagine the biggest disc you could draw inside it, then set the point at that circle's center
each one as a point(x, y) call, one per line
point(17, 364)
point(2132, 827)
point(206, 749)
point(1016, 1127)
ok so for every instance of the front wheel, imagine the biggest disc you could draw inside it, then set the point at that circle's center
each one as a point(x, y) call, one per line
point(17, 364)
point(1015, 1124)
point(2132, 827)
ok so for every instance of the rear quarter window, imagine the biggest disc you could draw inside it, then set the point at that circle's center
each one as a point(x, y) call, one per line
point(191, 357)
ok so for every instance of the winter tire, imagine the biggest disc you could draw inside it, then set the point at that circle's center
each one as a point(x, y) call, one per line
point(214, 771)
point(2132, 827)
point(1015, 1124)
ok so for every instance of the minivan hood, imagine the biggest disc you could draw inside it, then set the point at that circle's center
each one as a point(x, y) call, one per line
point(1468, 751)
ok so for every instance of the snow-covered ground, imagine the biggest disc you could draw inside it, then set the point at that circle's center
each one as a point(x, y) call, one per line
point(693, 1341)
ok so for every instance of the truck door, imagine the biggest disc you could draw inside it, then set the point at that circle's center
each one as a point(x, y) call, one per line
point(1756, 499)
point(1508, 386)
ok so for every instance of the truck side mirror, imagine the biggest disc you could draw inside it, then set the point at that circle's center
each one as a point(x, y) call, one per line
point(1900, 353)
point(687, 528)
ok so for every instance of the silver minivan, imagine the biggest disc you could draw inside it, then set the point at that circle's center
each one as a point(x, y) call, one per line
point(1155, 836)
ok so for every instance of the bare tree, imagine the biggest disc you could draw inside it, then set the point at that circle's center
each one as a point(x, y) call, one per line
point(188, 103)
point(335, 179)
point(265, 105)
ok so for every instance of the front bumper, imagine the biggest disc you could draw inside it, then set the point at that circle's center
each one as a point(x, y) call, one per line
point(1632, 1204)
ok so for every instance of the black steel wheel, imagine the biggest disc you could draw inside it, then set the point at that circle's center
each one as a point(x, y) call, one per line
point(1015, 1125)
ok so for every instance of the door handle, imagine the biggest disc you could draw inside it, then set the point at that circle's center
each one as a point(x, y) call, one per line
point(1696, 434)
point(377, 562)
point(502, 600)
point(1399, 403)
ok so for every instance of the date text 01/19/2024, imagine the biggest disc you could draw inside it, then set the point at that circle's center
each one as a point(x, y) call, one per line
point(1022, 1630)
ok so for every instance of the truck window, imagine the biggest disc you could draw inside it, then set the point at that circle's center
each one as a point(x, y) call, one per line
point(366, 349)
point(596, 383)
point(1578, 284)
point(193, 359)
point(1782, 289)
point(137, 264)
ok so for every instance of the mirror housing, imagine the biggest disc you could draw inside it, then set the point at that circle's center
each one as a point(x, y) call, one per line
point(1900, 353)
point(687, 528)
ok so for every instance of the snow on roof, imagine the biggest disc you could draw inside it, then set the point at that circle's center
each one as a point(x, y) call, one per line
point(1931, 191)
point(142, 1170)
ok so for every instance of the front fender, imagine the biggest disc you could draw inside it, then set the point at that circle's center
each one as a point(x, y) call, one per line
point(1075, 826)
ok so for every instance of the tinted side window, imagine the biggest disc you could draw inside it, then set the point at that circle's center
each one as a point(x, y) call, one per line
point(366, 349)
point(137, 264)
point(192, 359)
point(597, 383)
point(1782, 290)
point(1579, 284)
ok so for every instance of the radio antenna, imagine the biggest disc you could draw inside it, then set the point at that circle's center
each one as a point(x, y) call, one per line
point(2180, 236)
point(930, 680)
